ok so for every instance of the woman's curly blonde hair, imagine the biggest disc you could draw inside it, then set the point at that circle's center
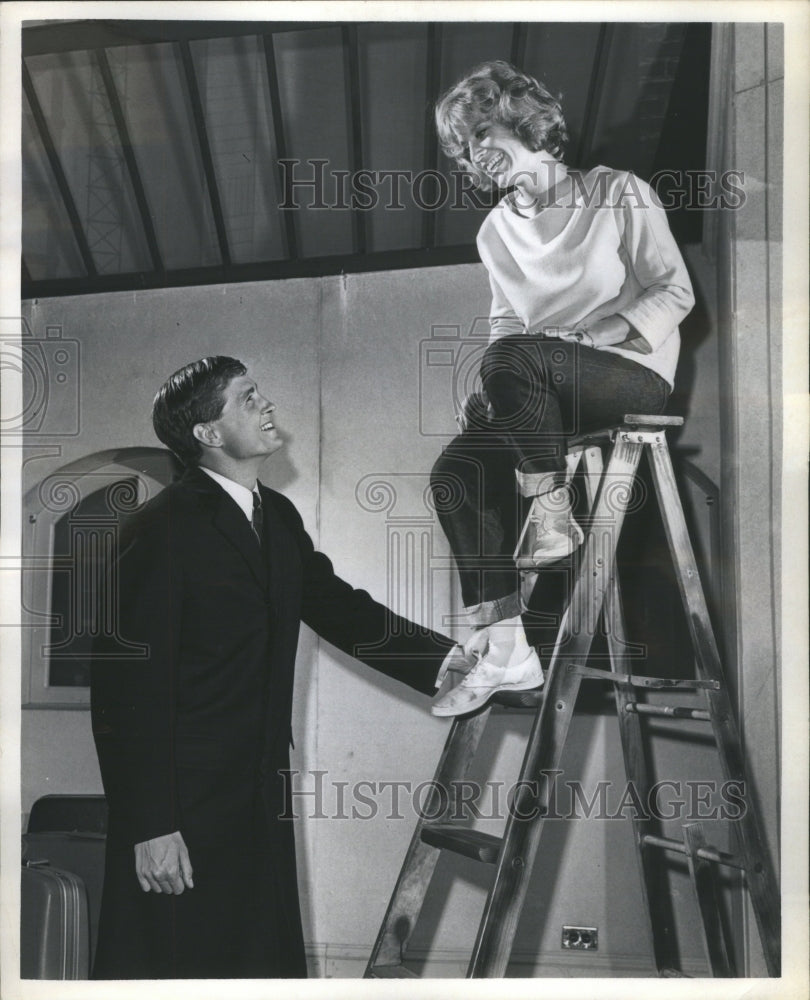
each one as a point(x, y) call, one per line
point(498, 92)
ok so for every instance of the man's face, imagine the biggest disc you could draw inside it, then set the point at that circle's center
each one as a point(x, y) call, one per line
point(245, 428)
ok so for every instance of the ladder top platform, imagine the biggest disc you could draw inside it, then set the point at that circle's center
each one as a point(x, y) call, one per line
point(631, 421)
point(651, 420)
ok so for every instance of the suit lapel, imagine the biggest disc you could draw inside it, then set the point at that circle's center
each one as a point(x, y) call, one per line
point(230, 521)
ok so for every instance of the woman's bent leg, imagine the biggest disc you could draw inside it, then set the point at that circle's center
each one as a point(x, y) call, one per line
point(475, 499)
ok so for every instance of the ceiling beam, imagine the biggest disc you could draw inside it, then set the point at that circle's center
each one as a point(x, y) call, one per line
point(129, 159)
point(75, 36)
point(58, 173)
point(351, 65)
point(431, 149)
point(274, 95)
point(205, 149)
point(314, 267)
point(595, 90)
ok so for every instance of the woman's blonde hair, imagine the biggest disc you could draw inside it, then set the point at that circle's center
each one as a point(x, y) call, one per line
point(498, 92)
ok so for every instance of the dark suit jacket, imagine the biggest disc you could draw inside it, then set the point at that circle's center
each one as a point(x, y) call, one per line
point(192, 728)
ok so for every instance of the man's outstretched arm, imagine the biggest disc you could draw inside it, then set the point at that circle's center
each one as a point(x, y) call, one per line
point(353, 621)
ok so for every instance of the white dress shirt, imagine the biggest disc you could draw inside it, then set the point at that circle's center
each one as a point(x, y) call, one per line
point(241, 494)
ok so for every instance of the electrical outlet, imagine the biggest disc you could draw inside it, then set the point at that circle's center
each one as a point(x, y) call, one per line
point(580, 938)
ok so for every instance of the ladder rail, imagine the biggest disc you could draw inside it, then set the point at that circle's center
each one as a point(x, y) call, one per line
point(703, 876)
point(761, 878)
point(420, 861)
point(504, 903)
point(632, 743)
point(659, 934)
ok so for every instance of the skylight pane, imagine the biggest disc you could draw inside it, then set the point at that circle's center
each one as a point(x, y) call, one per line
point(313, 99)
point(548, 58)
point(393, 69)
point(232, 81)
point(48, 243)
point(158, 117)
point(71, 91)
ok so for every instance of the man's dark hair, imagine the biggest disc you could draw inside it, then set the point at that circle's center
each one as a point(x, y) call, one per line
point(193, 395)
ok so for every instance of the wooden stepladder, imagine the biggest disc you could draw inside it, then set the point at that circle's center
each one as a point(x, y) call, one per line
point(595, 593)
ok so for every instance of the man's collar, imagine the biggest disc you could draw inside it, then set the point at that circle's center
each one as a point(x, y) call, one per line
point(241, 494)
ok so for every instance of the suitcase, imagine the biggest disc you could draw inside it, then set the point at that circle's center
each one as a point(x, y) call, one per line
point(80, 853)
point(85, 813)
point(54, 924)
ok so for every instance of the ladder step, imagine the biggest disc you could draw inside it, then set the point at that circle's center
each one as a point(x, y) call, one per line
point(636, 680)
point(707, 853)
point(391, 972)
point(652, 420)
point(518, 699)
point(672, 711)
point(469, 843)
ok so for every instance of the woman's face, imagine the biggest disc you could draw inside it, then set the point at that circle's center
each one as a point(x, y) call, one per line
point(498, 153)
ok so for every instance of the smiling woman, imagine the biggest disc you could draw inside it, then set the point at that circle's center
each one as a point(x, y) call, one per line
point(588, 288)
point(480, 112)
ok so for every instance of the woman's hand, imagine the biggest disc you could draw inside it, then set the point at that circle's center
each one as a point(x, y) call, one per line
point(603, 333)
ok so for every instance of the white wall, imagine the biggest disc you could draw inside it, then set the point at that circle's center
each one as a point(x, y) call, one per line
point(341, 357)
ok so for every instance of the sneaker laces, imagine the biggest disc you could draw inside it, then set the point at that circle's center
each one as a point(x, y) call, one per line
point(470, 675)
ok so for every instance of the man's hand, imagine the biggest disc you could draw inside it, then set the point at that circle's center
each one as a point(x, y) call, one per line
point(163, 865)
point(476, 646)
point(461, 659)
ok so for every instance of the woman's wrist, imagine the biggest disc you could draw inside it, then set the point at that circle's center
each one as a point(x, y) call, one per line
point(608, 331)
point(582, 335)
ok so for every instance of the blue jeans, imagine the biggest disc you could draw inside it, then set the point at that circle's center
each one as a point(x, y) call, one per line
point(542, 393)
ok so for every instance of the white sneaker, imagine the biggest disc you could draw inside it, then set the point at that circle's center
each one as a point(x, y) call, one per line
point(485, 679)
point(456, 662)
point(550, 533)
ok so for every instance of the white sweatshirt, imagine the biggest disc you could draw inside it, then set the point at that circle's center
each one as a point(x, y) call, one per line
point(603, 248)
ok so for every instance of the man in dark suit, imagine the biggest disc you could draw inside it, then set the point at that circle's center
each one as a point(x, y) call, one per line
point(214, 577)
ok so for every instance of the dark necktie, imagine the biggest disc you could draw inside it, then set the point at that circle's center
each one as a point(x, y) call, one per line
point(258, 518)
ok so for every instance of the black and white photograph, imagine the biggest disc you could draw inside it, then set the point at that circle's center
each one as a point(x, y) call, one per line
point(404, 499)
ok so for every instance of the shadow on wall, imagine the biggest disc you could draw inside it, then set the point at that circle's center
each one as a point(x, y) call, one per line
point(695, 330)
